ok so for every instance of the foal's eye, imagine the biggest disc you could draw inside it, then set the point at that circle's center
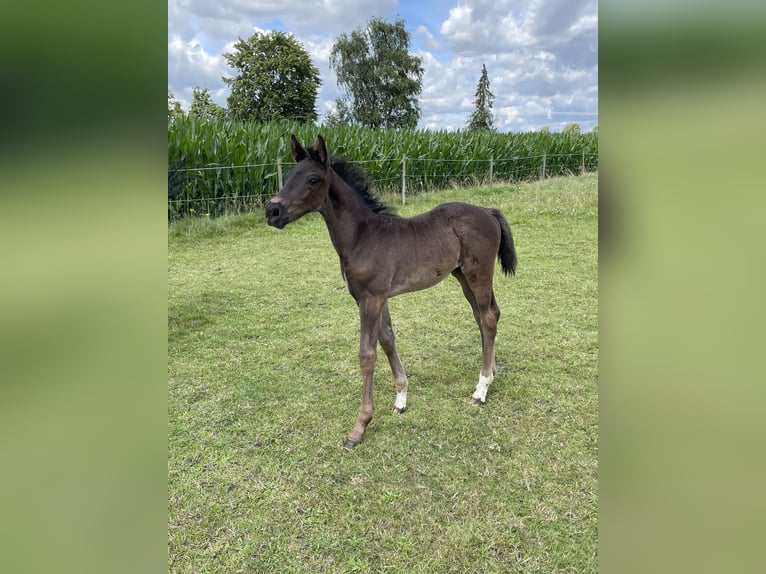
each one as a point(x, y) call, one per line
point(313, 180)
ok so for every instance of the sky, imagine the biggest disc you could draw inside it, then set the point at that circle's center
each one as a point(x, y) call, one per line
point(541, 55)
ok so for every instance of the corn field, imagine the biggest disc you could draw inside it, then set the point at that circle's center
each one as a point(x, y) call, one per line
point(218, 167)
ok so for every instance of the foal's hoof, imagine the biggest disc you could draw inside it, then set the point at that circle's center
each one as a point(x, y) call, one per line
point(398, 410)
point(349, 444)
point(475, 401)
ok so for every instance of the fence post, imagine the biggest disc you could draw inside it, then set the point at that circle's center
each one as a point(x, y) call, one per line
point(543, 174)
point(582, 170)
point(491, 166)
point(279, 173)
point(404, 178)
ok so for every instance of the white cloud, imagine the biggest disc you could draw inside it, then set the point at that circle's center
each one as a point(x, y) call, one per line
point(458, 27)
point(300, 16)
point(429, 42)
point(541, 55)
point(193, 54)
point(482, 26)
point(190, 65)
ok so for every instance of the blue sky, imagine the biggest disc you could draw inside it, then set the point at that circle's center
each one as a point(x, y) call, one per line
point(541, 55)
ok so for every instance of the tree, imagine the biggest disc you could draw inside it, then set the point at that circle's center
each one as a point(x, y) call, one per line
point(340, 116)
point(573, 129)
point(481, 118)
point(174, 106)
point(276, 79)
point(379, 79)
point(203, 106)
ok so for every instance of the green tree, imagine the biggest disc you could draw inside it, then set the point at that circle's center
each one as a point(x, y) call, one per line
point(203, 106)
point(379, 79)
point(573, 129)
point(340, 116)
point(174, 106)
point(481, 118)
point(276, 79)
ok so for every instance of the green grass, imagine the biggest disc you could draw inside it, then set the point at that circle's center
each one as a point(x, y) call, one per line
point(264, 386)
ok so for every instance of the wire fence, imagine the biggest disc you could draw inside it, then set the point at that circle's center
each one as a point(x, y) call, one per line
point(203, 190)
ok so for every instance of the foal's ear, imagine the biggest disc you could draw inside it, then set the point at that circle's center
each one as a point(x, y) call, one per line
point(297, 149)
point(321, 150)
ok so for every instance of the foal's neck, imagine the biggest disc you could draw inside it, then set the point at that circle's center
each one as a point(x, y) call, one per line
point(343, 211)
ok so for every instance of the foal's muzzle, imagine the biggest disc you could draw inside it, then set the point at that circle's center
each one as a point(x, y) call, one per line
point(277, 215)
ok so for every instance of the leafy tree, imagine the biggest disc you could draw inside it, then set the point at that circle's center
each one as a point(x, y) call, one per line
point(174, 106)
point(276, 79)
point(379, 79)
point(203, 106)
point(573, 129)
point(171, 99)
point(481, 118)
point(341, 116)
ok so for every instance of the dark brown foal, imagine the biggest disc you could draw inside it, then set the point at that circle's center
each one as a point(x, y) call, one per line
point(382, 255)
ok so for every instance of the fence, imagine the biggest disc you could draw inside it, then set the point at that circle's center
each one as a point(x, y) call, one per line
point(188, 187)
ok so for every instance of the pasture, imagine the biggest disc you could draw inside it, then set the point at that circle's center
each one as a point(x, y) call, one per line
point(264, 383)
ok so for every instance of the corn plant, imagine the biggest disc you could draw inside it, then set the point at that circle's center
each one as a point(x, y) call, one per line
point(224, 166)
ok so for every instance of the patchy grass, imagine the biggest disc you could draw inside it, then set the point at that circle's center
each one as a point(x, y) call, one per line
point(264, 385)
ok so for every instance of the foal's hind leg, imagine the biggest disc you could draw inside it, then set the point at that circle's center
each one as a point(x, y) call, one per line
point(487, 314)
point(388, 343)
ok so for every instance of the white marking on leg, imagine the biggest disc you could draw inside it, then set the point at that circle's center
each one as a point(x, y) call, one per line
point(401, 400)
point(480, 394)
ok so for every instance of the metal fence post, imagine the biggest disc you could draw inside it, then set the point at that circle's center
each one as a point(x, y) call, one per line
point(404, 178)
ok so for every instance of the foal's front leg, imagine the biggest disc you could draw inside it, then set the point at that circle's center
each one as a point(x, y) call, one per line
point(369, 322)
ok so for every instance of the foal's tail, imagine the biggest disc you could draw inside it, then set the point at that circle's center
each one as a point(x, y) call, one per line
point(506, 253)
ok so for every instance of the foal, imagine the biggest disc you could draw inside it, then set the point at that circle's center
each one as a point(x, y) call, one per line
point(382, 255)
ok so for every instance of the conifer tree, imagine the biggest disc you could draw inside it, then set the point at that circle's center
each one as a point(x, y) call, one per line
point(481, 118)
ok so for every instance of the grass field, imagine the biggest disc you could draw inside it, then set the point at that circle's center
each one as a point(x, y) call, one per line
point(264, 385)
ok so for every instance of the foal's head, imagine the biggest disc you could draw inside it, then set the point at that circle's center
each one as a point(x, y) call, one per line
point(306, 185)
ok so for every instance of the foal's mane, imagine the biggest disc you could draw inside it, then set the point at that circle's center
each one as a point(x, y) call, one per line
point(357, 180)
